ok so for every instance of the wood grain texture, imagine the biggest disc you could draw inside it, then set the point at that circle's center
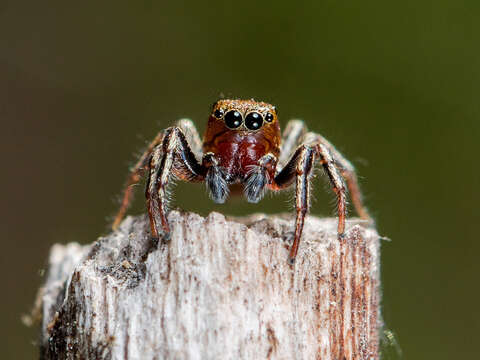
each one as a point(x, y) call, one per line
point(219, 289)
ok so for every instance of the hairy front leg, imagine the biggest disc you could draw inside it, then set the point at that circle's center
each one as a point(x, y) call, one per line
point(173, 157)
point(302, 195)
point(192, 146)
point(298, 170)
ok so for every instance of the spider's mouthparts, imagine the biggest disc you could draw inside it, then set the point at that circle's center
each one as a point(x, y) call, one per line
point(216, 185)
point(255, 185)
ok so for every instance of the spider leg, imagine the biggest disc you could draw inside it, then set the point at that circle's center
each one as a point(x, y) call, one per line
point(191, 135)
point(338, 185)
point(347, 170)
point(134, 177)
point(291, 139)
point(298, 169)
point(173, 156)
point(139, 169)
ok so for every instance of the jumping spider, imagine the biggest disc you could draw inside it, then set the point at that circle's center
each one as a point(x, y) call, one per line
point(242, 145)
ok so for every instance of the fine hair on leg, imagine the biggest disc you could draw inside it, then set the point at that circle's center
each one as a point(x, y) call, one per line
point(347, 170)
point(134, 177)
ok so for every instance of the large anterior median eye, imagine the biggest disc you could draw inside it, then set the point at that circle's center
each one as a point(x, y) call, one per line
point(233, 119)
point(253, 121)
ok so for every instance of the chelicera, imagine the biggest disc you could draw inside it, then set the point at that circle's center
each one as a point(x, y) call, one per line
point(242, 145)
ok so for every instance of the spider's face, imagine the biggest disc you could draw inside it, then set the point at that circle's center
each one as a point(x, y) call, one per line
point(242, 129)
point(244, 115)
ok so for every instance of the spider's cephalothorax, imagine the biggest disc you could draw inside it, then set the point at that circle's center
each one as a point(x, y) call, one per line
point(243, 142)
point(242, 145)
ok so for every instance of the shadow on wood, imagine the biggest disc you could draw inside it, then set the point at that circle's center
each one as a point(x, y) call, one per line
point(219, 289)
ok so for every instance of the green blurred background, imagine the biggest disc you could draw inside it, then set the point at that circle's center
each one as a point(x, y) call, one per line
point(393, 84)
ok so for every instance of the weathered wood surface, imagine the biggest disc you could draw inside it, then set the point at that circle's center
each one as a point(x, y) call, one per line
point(219, 289)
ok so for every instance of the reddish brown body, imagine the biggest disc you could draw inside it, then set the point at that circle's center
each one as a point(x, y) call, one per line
point(237, 153)
point(242, 145)
point(239, 150)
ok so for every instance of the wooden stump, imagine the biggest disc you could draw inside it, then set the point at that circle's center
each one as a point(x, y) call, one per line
point(219, 289)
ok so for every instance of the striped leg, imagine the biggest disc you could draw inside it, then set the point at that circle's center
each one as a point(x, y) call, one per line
point(191, 136)
point(337, 183)
point(135, 176)
point(299, 169)
point(291, 139)
point(173, 156)
point(144, 163)
point(347, 171)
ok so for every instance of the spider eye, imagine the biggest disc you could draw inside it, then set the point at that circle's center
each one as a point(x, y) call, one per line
point(218, 113)
point(233, 119)
point(269, 117)
point(253, 121)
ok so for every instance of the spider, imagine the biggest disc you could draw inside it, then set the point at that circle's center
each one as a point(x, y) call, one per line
point(242, 145)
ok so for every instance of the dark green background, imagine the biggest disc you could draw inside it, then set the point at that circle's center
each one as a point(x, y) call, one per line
point(393, 84)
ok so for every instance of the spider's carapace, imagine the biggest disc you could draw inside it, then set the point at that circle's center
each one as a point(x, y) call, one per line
point(242, 145)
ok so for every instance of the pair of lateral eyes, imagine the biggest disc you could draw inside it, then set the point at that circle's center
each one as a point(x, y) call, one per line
point(234, 119)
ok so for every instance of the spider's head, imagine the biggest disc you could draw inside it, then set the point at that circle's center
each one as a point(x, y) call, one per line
point(244, 115)
point(244, 126)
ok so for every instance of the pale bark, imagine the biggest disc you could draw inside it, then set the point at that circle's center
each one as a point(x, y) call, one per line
point(219, 289)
